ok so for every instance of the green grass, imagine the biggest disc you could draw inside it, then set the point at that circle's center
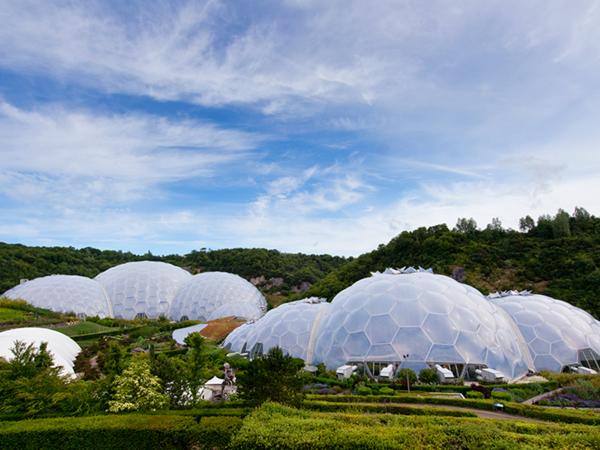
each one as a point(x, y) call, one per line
point(84, 328)
point(10, 315)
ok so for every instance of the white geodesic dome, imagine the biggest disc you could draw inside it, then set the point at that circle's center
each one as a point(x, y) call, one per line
point(236, 340)
point(64, 350)
point(64, 293)
point(414, 319)
point(211, 295)
point(557, 333)
point(291, 327)
point(142, 289)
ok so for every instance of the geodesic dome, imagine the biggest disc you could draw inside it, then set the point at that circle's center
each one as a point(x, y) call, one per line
point(414, 318)
point(142, 289)
point(211, 295)
point(557, 333)
point(64, 350)
point(64, 293)
point(290, 326)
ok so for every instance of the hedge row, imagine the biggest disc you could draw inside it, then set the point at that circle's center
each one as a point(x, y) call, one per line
point(388, 408)
point(119, 432)
point(277, 427)
point(535, 412)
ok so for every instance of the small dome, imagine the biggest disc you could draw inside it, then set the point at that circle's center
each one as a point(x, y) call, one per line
point(211, 295)
point(416, 318)
point(64, 293)
point(142, 289)
point(64, 350)
point(289, 326)
point(558, 334)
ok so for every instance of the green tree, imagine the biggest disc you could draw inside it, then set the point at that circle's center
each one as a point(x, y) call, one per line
point(275, 377)
point(114, 359)
point(136, 389)
point(561, 226)
point(196, 363)
point(406, 375)
point(428, 376)
point(526, 224)
point(466, 226)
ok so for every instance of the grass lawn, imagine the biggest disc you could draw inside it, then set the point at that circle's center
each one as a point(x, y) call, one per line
point(84, 328)
point(10, 315)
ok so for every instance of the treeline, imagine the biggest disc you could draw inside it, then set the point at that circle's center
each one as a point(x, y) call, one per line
point(20, 261)
point(556, 255)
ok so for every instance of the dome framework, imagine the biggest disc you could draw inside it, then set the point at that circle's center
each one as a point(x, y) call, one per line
point(64, 293)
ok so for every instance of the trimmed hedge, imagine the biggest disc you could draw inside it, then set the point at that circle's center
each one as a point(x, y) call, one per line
point(119, 432)
point(387, 408)
point(277, 427)
point(587, 417)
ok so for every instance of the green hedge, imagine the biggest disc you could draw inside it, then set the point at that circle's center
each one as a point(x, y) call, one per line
point(535, 412)
point(387, 408)
point(119, 432)
point(276, 427)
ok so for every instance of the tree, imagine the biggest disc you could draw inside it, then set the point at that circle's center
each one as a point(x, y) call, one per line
point(560, 225)
point(172, 373)
point(526, 224)
point(496, 225)
point(407, 375)
point(466, 226)
point(275, 377)
point(428, 376)
point(114, 359)
point(196, 362)
point(136, 389)
point(29, 361)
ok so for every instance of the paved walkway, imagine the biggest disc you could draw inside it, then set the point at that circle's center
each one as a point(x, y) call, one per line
point(481, 413)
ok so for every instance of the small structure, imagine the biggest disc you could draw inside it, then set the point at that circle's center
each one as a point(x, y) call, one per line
point(346, 371)
point(582, 370)
point(444, 375)
point(388, 372)
point(490, 375)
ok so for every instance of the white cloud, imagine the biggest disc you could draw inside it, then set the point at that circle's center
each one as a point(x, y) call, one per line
point(66, 156)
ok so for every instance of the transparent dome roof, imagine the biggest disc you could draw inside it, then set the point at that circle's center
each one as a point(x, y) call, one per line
point(211, 295)
point(64, 293)
point(417, 318)
point(142, 289)
point(64, 350)
point(558, 334)
point(290, 326)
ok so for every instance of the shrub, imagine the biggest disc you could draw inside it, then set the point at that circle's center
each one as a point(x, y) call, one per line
point(119, 432)
point(474, 394)
point(501, 395)
point(364, 390)
point(428, 376)
point(386, 391)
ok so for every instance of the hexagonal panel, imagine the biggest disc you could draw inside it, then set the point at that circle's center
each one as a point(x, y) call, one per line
point(381, 329)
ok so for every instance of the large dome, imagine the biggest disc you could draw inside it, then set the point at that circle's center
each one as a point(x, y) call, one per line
point(211, 295)
point(64, 293)
point(64, 350)
point(291, 326)
point(142, 289)
point(558, 334)
point(415, 319)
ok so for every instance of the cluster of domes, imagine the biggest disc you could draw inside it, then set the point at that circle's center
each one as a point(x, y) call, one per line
point(414, 318)
point(146, 289)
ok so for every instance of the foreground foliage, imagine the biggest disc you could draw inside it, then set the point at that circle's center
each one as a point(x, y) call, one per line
point(119, 432)
point(278, 427)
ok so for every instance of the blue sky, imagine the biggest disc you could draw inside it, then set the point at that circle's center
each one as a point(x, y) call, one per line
point(321, 127)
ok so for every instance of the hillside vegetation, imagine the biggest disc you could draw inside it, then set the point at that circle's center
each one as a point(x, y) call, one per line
point(557, 256)
point(281, 271)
